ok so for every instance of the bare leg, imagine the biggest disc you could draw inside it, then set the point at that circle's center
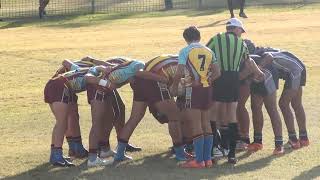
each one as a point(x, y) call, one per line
point(285, 99)
point(297, 106)
point(242, 113)
point(270, 102)
point(137, 113)
point(73, 122)
point(60, 111)
point(96, 133)
point(257, 114)
point(170, 109)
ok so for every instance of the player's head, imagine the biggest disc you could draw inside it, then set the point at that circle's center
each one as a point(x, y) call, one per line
point(235, 25)
point(251, 46)
point(191, 34)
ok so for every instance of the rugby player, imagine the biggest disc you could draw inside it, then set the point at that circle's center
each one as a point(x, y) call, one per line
point(117, 105)
point(155, 94)
point(201, 62)
point(262, 93)
point(293, 72)
point(59, 93)
point(102, 108)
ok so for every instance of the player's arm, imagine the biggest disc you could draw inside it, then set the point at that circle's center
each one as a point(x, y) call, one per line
point(266, 60)
point(258, 75)
point(151, 76)
point(96, 61)
point(69, 65)
point(92, 77)
point(214, 70)
point(176, 79)
point(182, 61)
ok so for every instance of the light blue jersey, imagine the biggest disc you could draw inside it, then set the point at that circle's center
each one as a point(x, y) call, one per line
point(122, 72)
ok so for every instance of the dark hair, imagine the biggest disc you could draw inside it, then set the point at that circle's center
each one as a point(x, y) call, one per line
point(191, 34)
point(229, 28)
point(250, 45)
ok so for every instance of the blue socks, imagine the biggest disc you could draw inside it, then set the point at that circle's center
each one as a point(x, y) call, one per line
point(208, 143)
point(198, 144)
point(180, 155)
point(120, 151)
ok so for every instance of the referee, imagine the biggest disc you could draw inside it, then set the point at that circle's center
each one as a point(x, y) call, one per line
point(231, 51)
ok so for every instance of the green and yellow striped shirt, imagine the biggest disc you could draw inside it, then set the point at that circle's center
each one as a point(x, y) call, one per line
point(229, 49)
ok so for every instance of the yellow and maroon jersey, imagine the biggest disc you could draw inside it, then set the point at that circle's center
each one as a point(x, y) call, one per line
point(197, 59)
point(165, 65)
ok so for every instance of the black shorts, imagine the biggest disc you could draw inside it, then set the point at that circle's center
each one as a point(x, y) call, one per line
point(226, 87)
point(269, 85)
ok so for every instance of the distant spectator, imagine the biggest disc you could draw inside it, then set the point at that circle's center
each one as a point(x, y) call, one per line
point(0, 9)
point(42, 6)
point(168, 4)
point(231, 6)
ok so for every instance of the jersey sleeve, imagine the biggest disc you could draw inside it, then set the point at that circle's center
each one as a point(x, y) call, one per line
point(183, 56)
point(94, 71)
point(210, 44)
point(214, 58)
point(246, 53)
point(74, 66)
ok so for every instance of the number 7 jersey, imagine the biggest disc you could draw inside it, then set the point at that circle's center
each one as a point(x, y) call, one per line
point(197, 59)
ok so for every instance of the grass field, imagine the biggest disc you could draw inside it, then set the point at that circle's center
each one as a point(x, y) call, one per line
point(31, 51)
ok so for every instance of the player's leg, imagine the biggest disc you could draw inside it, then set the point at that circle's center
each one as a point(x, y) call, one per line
point(270, 102)
point(257, 120)
point(193, 118)
point(98, 109)
point(243, 117)
point(284, 103)
point(60, 111)
point(208, 137)
point(170, 109)
point(104, 149)
point(119, 121)
point(58, 98)
point(137, 113)
point(297, 106)
point(73, 134)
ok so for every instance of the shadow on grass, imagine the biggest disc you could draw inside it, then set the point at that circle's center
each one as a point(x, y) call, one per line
point(313, 173)
point(82, 20)
point(158, 166)
point(214, 24)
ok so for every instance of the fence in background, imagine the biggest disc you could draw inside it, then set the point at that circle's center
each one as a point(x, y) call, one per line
point(29, 8)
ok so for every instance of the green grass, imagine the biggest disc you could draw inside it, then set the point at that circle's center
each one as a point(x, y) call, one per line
point(31, 52)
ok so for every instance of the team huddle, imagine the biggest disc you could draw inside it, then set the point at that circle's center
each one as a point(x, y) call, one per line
point(201, 93)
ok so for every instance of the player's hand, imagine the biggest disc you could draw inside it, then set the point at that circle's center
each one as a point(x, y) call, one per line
point(163, 80)
point(107, 69)
point(173, 90)
point(87, 58)
point(259, 77)
point(111, 87)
